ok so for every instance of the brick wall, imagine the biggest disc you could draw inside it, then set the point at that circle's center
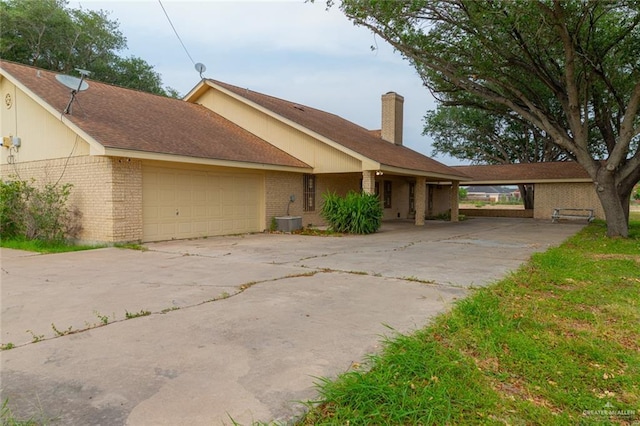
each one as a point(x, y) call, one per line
point(392, 118)
point(107, 191)
point(399, 197)
point(340, 183)
point(440, 197)
point(279, 186)
point(127, 199)
point(484, 212)
point(565, 195)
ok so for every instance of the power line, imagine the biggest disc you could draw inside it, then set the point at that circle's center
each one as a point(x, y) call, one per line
point(176, 32)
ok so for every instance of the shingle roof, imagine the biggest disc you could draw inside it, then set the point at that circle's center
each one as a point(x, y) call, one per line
point(356, 138)
point(525, 173)
point(132, 120)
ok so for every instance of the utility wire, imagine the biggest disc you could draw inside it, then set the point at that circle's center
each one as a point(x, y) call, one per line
point(176, 32)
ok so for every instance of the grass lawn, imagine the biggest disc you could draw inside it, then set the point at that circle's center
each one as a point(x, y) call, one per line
point(44, 247)
point(556, 342)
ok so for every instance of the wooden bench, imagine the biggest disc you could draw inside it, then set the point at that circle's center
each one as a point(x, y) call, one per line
point(572, 214)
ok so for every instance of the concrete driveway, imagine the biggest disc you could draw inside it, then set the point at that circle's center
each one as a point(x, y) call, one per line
point(240, 327)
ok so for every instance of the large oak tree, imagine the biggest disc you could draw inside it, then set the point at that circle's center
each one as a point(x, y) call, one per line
point(50, 35)
point(570, 68)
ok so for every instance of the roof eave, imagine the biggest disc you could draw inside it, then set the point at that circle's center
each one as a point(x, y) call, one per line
point(156, 156)
point(423, 173)
point(529, 181)
point(96, 148)
point(196, 92)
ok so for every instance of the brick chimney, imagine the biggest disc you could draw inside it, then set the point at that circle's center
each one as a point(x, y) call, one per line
point(392, 112)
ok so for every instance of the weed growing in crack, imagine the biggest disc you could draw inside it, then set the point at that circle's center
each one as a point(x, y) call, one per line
point(60, 333)
point(142, 313)
point(418, 280)
point(173, 308)
point(245, 286)
point(302, 274)
point(35, 338)
point(104, 319)
point(6, 346)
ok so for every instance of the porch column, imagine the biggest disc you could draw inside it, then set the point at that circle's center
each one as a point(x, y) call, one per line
point(421, 200)
point(455, 186)
point(369, 181)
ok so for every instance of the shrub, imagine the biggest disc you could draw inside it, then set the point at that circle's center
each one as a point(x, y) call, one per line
point(463, 193)
point(13, 203)
point(356, 213)
point(37, 213)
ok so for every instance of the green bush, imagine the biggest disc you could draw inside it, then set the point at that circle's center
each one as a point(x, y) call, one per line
point(463, 193)
point(37, 213)
point(356, 213)
point(13, 203)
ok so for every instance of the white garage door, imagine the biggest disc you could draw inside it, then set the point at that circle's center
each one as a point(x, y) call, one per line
point(180, 204)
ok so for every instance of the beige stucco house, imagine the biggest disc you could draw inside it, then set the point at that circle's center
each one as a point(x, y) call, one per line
point(224, 160)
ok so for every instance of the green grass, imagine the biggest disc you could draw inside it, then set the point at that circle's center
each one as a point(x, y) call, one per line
point(44, 247)
point(556, 342)
point(8, 419)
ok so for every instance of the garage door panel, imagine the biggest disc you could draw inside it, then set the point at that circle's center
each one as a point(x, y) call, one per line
point(200, 227)
point(166, 178)
point(166, 228)
point(200, 211)
point(184, 228)
point(166, 213)
point(166, 195)
point(199, 196)
point(188, 204)
point(215, 227)
point(150, 230)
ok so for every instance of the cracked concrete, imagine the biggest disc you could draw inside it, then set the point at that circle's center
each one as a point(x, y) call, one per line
point(240, 327)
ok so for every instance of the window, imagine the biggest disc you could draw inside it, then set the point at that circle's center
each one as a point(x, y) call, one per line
point(412, 197)
point(387, 194)
point(309, 193)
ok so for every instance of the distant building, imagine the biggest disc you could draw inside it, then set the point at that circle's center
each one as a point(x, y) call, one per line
point(492, 194)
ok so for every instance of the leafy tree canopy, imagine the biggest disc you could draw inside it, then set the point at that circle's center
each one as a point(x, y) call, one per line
point(568, 68)
point(50, 35)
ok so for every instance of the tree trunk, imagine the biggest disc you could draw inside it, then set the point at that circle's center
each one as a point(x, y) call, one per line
point(626, 201)
point(613, 204)
point(526, 192)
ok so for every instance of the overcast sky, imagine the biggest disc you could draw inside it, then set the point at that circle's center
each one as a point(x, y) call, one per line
point(288, 49)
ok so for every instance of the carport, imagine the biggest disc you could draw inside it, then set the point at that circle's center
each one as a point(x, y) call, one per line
point(554, 185)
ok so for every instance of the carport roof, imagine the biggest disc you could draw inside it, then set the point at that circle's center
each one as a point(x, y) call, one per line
point(129, 121)
point(365, 142)
point(512, 174)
